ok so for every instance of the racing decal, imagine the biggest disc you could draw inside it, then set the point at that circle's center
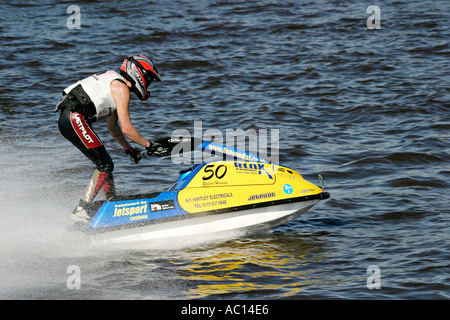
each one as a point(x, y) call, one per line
point(233, 173)
point(287, 188)
point(135, 210)
point(117, 213)
point(214, 174)
point(84, 132)
point(252, 168)
point(162, 205)
point(261, 196)
point(193, 202)
point(219, 172)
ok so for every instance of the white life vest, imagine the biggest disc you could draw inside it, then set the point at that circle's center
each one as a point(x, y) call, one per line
point(98, 88)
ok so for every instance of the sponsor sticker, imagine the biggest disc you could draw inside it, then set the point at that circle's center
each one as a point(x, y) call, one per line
point(288, 189)
point(252, 168)
point(130, 209)
point(162, 205)
point(261, 196)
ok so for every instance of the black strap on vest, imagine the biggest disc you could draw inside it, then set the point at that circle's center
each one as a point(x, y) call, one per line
point(77, 100)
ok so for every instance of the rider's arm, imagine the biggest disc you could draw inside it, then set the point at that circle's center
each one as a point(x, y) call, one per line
point(116, 132)
point(121, 95)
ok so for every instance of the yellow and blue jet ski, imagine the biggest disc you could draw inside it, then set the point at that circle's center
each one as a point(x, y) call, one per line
point(246, 193)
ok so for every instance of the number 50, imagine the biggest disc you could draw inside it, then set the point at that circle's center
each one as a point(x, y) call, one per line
point(218, 173)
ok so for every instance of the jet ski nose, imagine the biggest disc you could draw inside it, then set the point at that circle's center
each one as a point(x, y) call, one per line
point(324, 195)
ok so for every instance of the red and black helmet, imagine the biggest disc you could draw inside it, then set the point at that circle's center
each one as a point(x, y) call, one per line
point(140, 71)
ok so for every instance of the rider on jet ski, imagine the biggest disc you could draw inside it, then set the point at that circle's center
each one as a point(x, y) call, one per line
point(106, 96)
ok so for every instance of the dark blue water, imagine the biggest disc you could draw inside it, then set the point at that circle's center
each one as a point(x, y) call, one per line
point(368, 109)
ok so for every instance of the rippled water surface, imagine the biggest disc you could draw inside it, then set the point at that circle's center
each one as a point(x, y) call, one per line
point(368, 109)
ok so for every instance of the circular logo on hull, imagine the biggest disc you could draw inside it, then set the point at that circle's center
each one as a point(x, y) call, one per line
point(287, 188)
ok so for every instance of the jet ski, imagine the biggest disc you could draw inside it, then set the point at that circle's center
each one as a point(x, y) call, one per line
point(240, 192)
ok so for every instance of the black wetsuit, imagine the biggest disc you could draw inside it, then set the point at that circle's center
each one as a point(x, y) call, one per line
point(75, 125)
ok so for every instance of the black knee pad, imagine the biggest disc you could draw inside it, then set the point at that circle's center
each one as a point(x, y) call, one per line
point(106, 165)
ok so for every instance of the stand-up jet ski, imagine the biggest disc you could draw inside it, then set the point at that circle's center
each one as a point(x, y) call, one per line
point(244, 193)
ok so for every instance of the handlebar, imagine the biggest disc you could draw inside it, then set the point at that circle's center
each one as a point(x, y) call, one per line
point(160, 152)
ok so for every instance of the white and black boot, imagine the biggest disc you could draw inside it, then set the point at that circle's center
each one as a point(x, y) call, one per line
point(80, 214)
